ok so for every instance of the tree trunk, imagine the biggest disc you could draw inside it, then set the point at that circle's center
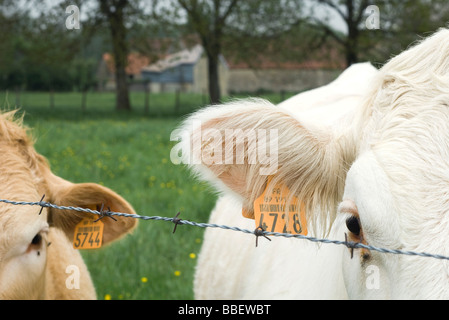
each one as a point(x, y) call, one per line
point(352, 44)
point(214, 81)
point(120, 50)
point(122, 92)
point(351, 56)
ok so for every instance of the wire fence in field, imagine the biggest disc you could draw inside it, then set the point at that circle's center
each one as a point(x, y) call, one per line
point(258, 232)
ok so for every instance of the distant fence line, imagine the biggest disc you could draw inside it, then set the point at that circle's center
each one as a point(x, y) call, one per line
point(139, 99)
point(174, 103)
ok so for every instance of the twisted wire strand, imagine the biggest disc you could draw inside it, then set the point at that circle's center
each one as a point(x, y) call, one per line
point(177, 221)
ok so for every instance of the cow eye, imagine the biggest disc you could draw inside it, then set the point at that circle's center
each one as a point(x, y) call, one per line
point(37, 240)
point(36, 243)
point(353, 225)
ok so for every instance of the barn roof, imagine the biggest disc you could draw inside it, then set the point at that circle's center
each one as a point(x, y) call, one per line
point(186, 56)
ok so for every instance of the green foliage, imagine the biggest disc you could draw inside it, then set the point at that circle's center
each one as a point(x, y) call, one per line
point(39, 53)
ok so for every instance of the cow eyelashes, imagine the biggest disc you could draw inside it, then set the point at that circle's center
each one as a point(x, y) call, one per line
point(353, 225)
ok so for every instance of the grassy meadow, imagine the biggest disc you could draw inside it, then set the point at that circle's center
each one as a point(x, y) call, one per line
point(128, 152)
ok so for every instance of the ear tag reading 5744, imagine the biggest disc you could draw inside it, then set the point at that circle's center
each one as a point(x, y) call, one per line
point(88, 234)
point(270, 211)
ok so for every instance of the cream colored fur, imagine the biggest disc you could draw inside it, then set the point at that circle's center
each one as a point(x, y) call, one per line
point(39, 269)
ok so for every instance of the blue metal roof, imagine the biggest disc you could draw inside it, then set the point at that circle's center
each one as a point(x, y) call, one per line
point(182, 73)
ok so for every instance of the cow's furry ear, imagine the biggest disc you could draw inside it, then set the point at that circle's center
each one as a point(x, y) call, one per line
point(308, 161)
point(91, 196)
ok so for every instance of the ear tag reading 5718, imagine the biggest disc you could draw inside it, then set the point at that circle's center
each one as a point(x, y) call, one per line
point(270, 211)
point(88, 234)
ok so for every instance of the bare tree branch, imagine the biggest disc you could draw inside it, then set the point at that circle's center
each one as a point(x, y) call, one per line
point(335, 7)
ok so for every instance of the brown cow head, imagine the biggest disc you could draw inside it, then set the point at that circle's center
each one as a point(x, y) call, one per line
point(25, 175)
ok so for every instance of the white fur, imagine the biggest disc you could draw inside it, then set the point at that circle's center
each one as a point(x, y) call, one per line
point(231, 267)
point(386, 150)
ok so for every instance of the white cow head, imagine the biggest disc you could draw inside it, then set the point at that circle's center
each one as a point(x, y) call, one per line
point(385, 167)
point(24, 252)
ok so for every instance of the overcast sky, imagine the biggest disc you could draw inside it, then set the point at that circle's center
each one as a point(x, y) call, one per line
point(320, 11)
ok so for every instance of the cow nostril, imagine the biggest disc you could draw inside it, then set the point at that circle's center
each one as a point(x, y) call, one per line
point(353, 225)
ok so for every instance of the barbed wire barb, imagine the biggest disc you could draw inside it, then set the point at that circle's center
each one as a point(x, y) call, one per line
point(41, 204)
point(176, 221)
point(259, 232)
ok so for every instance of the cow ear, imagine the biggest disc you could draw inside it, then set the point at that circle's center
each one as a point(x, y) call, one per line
point(92, 196)
point(309, 161)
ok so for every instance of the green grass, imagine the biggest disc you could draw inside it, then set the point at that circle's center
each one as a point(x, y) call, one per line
point(132, 157)
point(128, 152)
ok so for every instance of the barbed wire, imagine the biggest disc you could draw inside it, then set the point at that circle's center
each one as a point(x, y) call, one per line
point(257, 232)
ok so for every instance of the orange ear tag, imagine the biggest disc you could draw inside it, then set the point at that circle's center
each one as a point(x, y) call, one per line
point(270, 211)
point(88, 234)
